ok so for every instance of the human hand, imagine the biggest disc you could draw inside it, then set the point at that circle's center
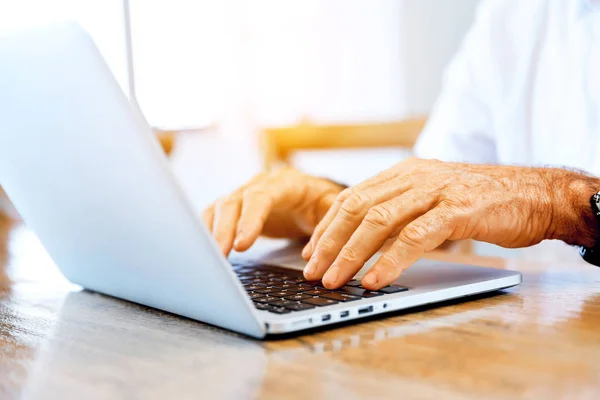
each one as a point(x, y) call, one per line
point(426, 202)
point(284, 203)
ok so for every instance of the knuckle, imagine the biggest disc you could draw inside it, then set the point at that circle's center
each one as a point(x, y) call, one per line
point(355, 204)
point(459, 198)
point(344, 194)
point(452, 215)
point(379, 216)
point(413, 235)
point(456, 223)
point(325, 245)
point(452, 218)
point(350, 255)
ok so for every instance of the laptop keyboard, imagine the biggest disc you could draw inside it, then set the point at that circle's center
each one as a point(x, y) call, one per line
point(283, 290)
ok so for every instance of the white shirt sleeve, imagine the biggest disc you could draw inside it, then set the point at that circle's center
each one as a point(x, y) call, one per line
point(460, 125)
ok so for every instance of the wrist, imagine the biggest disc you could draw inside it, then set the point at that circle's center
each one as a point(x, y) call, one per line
point(573, 220)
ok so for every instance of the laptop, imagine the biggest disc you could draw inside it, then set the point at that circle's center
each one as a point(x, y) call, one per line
point(87, 175)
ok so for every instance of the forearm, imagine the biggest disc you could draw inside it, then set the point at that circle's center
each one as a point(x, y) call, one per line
point(573, 220)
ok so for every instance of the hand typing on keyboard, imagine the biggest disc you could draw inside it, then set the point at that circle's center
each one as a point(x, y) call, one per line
point(418, 203)
point(281, 290)
point(283, 204)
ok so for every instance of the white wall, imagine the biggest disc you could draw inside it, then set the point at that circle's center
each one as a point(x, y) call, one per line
point(273, 62)
point(270, 61)
point(432, 31)
point(341, 60)
point(103, 19)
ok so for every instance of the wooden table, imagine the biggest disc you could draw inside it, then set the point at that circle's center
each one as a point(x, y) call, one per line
point(540, 340)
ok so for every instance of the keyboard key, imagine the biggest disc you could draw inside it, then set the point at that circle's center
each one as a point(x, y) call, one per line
point(278, 310)
point(355, 291)
point(353, 283)
point(368, 294)
point(319, 301)
point(282, 293)
point(273, 286)
point(261, 306)
point(250, 280)
point(258, 273)
point(267, 299)
point(393, 289)
point(296, 280)
point(254, 286)
point(340, 297)
point(299, 306)
point(298, 296)
point(267, 290)
point(317, 292)
point(281, 290)
point(282, 303)
point(291, 286)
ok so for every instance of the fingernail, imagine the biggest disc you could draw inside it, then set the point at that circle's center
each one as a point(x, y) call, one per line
point(332, 274)
point(370, 279)
point(310, 268)
point(307, 249)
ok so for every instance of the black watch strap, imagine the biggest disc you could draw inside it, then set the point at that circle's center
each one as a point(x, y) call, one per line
point(592, 254)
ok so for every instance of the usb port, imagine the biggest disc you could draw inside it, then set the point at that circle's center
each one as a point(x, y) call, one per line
point(326, 317)
point(365, 310)
point(344, 314)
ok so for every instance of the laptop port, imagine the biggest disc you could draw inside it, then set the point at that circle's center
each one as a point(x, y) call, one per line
point(365, 310)
point(344, 314)
point(326, 317)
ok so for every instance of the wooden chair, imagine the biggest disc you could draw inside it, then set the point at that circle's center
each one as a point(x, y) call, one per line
point(280, 143)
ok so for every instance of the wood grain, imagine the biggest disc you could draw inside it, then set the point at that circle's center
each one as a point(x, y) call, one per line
point(540, 340)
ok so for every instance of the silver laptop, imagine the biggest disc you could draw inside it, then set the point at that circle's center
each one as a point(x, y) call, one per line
point(84, 171)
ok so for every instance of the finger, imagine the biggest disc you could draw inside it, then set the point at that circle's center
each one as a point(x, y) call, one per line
point(381, 180)
point(378, 225)
point(308, 250)
point(323, 223)
point(418, 237)
point(227, 213)
point(208, 216)
point(256, 207)
point(351, 213)
point(258, 201)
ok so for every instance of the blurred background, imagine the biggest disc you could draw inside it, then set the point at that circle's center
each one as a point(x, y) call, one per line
point(223, 71)
point(337, 88)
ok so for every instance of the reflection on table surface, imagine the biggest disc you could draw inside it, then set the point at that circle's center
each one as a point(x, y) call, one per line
point(538, 340)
